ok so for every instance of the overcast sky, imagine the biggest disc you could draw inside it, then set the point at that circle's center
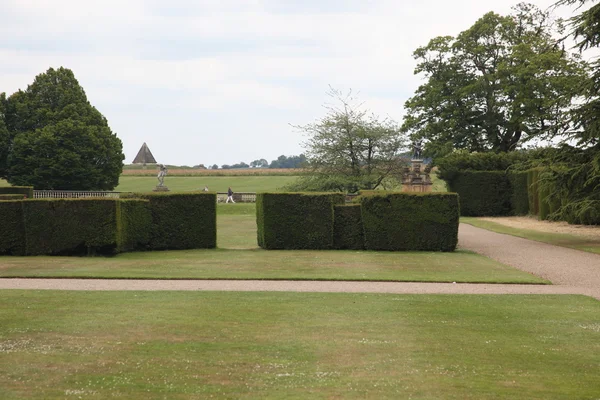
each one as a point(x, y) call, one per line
point(221, 81)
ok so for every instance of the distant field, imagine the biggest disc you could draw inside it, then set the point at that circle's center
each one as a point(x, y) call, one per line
point(214, 183)
point(240, 180)
point(153, 171)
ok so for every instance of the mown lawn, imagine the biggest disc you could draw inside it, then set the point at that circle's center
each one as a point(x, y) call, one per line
point(238, 257)
point(156, 345)
point(557, 239)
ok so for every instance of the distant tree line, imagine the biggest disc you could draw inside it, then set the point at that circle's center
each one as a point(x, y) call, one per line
point(281, 162)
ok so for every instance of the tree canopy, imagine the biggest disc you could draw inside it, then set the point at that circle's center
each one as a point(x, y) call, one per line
point(56, 138)
point(586, 32)
point(350, 149)
point(504, 81)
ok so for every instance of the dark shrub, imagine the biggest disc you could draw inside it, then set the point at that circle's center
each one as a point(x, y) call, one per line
point(182, 220)
point(296, 220)
point(520, 192)
point(70, 226)
point(407, 221)
point(25, 190)
point(12, 231)
point(482, 193)
point(12, 197)
point(348, 228)
point(134, 220)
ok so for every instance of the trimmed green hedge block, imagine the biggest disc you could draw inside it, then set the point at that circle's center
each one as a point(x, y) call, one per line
point(411, 221)
point(134, 219)
point(347, 227)
point(11, 197)
point(296, 220)
point(482, 193)
point(533, 191)
point(73, 226)
point(25, 190)
point(84, 226)
point(12, 235)
point(520, 192)
point(182, 220)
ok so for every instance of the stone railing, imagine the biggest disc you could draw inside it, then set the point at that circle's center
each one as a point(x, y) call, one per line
point(71, 194)
point(238, 197)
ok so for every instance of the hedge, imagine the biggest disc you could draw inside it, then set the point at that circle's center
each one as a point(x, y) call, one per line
point(73, 226)
point(296, 220)
point(533, 191)
point(411, 221)
point(347, 227)
point(482, 193)
point(583, 212)
point(519, 199)
point(134, 220)
point(181, 220)
point(12, 238)
point(26, 190)
point(12, 197)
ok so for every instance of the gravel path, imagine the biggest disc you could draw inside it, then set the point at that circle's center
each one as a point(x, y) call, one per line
point(560, 265)
point(571, 271)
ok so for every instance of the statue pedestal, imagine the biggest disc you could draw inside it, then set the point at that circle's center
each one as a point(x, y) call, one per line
point(415, 178)
point(160, 189)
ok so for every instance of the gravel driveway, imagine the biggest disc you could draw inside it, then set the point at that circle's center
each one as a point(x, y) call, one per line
point(571, 271)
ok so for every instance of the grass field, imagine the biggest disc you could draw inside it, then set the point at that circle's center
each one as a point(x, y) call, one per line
point(557, 239)
point(181, 345)
point(238, 257)
point(251, 180)
point(214, 183)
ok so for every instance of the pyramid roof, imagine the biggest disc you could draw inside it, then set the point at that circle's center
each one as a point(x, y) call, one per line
point(144, 156)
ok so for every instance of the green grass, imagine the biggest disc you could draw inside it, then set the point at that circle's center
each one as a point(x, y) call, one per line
point(238, 257)
point(183, 345)
point(214, 183)
point(557, 239)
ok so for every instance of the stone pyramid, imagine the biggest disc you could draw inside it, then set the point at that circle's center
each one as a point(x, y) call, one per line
point(144, 156)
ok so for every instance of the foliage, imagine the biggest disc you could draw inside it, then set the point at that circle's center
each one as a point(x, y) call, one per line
point(296, 220)
point(24, 190)
point(4, 137)
point(288, 162)
point(181, 220)
point(519, 199)
point(402, 221)
point(482, 193)
point(11, 196)
point(586, 31)
point(347, 228)
point(456, 162)
point(349, 149)
point(502, 82)
point(235, 166)
point(262, 163)
point(74, 226)
point(58, 140)
point(134, 220)
point(12, 239)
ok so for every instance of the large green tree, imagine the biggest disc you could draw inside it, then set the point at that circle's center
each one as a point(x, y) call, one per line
point(586, 32)
point(500, 83)
point(57, 139)
point(4, 136)
point(350, 149)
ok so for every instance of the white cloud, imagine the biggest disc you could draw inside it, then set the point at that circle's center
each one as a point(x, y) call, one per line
point(230, 74)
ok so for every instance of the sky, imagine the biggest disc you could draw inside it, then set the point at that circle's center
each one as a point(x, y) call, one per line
point(225, 81)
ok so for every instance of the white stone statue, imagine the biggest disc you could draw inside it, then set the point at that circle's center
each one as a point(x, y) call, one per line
point(162, 172)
